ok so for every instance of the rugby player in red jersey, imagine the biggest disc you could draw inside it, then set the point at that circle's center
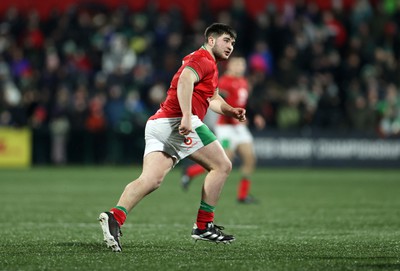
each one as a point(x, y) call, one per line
point(176, 131)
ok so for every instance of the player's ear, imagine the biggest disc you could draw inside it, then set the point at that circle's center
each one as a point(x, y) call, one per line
point(211, 41)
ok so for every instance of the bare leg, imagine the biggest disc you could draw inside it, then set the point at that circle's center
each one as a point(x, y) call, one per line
point(155, 166)
point(247, 157)
point(230, 154)
point(213, 158)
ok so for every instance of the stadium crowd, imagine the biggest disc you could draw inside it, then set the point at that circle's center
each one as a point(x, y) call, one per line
point(91, 76)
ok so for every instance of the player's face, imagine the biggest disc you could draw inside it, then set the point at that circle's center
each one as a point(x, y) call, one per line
point(223, 47)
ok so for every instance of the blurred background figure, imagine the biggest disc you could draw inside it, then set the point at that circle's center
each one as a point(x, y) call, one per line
point(59, 127)
point(234, 136)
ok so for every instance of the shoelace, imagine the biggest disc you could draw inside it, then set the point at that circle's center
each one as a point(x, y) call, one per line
point(219, 229)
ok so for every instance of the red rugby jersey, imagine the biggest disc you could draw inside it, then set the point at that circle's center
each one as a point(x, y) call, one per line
point(204, 65)
point(235, 92)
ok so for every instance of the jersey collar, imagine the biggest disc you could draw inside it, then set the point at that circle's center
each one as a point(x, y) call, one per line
point(208, 53)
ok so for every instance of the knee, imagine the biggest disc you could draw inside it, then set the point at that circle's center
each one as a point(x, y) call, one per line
point(149, 183)
point(226, 167)
point(154, 183)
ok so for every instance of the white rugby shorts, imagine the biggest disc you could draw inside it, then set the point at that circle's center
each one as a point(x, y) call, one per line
point(230, 136)
point(162, 135)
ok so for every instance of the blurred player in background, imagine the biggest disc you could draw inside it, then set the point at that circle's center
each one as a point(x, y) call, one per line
point(176, 131)
point(234, 136)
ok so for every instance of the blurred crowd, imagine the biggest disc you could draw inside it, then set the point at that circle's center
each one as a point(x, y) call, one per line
point(92, 75)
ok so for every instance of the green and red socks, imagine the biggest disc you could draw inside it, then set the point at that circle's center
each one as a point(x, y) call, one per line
point(120, 214)
point(205, 215)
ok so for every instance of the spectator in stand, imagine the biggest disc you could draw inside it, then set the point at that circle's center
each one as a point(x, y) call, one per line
point(59, 126)
point(389, 110)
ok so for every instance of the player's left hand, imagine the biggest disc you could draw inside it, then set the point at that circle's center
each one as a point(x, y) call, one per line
point(239, 113)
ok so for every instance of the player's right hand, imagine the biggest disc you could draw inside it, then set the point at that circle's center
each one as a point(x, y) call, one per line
point(186, 126)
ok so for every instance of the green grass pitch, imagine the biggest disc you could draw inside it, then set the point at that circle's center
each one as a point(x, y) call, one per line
point(307, 219)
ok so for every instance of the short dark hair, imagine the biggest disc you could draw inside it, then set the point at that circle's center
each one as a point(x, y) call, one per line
point(219, 29)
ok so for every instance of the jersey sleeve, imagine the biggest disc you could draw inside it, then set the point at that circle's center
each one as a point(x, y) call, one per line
point(200, 65)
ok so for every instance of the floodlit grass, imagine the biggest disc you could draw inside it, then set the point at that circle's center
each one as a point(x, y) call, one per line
point(306, 220)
